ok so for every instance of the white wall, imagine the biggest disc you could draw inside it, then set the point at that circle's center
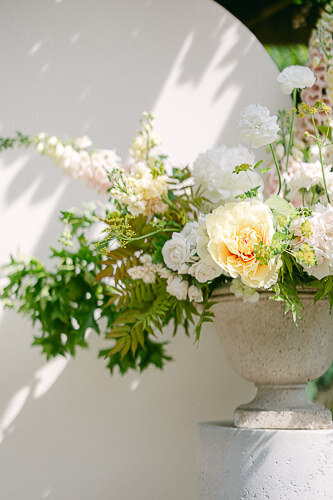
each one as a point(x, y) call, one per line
point(68, 430)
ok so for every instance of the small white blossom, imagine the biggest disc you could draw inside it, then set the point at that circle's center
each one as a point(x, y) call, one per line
point(295, 77)
point(240, 290)
point(195, 294)
point(146, 259)
point(83, 142)
point(175, 251)
point(177, 287)
point(163, 272)
point(257, 127)
point(142, 192)
point(52, 141)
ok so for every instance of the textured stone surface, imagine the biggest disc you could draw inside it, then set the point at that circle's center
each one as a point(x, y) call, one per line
point(266, 347)
point(247, 464)
point(283, 407)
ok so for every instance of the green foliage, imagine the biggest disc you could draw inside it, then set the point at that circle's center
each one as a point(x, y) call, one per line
point(252, 193)
point(17, 140)
point(290, 280)
point(68, 301)
point(153, 353)
point(288, 55)
point(63, 302)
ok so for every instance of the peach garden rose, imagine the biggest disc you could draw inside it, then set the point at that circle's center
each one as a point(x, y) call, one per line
point(233, 231)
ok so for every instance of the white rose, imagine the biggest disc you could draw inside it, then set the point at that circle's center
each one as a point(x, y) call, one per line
point(257, 127)
point(295, 77)
point(177, 287)
point(204, 271)
point(195, 294)
point(175, 252)
point(213, 173)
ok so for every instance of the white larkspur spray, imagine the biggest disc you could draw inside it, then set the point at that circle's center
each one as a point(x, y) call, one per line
point(213, 172)
point(295, 77)
point(83, 142)
point(257, 127)
point(93, 168)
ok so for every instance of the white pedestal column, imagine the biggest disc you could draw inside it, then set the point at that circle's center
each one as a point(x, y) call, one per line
point(246, 464)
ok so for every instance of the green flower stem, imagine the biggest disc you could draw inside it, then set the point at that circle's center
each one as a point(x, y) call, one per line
point(277, 168)
point(320, 158)
point(142, 237)
point(290, 142)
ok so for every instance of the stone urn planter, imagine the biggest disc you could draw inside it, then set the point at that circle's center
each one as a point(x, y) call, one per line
point(265, 347)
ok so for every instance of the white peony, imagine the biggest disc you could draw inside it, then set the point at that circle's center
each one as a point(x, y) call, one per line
point(257, 127)
point(175, 252)
point(195, 294)
point(213, 173)
point(295, 77)
point(177, 287)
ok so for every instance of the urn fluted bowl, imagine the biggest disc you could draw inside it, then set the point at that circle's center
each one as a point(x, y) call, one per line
point(267, 348)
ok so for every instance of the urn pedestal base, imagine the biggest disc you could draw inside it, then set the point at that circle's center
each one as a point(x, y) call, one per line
point(282, 407)
point(244, 464)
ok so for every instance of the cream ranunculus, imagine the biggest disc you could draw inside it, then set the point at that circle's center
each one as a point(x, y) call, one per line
point(257, 127)
point(295, 77)
point(233, 231)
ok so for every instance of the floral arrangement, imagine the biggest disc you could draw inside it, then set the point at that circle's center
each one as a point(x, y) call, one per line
point(243, 219)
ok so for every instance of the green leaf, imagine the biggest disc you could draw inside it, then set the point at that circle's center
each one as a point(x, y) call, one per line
point(281, 206)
